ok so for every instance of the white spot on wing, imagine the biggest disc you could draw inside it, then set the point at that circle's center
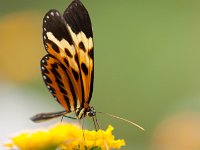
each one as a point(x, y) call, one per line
point(47, 17)
point(44, 77)
point(52, 13)
point(45, 29)
point(48, 87)
point(43, 61)
point(45, 21)
point(57, 14)
point(44, 37)
point(43, 68)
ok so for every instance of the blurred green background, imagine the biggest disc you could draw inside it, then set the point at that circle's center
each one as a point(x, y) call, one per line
point(147, 68)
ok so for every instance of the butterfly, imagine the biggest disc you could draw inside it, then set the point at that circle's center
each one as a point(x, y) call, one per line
point(68, 67)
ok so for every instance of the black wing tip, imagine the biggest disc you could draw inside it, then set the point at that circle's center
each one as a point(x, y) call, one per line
point(50, 14)
point(76, 2)
point(77, 17)
point(51, 11)
point(76, 6)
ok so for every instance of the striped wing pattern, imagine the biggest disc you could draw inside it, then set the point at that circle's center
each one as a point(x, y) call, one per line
point(58, 82)
point(68, 68)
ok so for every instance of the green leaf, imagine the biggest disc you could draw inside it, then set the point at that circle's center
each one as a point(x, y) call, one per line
point(96, 148)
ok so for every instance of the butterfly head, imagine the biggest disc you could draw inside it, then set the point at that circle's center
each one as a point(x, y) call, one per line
point(91, 112)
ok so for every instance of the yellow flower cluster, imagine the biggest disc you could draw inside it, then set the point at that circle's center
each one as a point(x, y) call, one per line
point(66, 137)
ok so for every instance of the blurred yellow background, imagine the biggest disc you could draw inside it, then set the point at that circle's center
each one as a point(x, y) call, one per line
point(147, 69)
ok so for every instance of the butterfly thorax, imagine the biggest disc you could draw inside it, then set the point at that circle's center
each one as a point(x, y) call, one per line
point(82, 112)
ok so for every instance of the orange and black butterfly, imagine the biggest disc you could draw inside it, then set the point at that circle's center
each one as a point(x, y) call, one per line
point(68, 66)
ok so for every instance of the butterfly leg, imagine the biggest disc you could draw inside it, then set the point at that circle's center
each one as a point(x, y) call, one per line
point(69, 117)
point(83, 129)
point(95, 124)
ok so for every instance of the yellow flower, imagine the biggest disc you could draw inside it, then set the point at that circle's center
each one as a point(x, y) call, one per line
point(66, 137)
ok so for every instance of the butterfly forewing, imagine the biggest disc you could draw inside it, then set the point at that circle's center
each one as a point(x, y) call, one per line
point(58, 82)
point(68, 40)
point(80, 28)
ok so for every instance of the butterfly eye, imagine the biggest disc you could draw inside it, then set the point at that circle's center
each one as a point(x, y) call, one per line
point(91, 112)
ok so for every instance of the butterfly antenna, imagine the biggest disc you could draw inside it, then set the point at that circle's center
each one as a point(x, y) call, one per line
point(97, 122)
point(128, 121)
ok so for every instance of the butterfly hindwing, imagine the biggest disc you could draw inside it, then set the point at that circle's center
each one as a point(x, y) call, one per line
point(58, 82)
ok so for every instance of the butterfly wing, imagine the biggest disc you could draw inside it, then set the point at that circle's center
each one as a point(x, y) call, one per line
point(69, 40)
point(80, 28)
point(68, 68)
point(58, 82)
point(60, 86)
